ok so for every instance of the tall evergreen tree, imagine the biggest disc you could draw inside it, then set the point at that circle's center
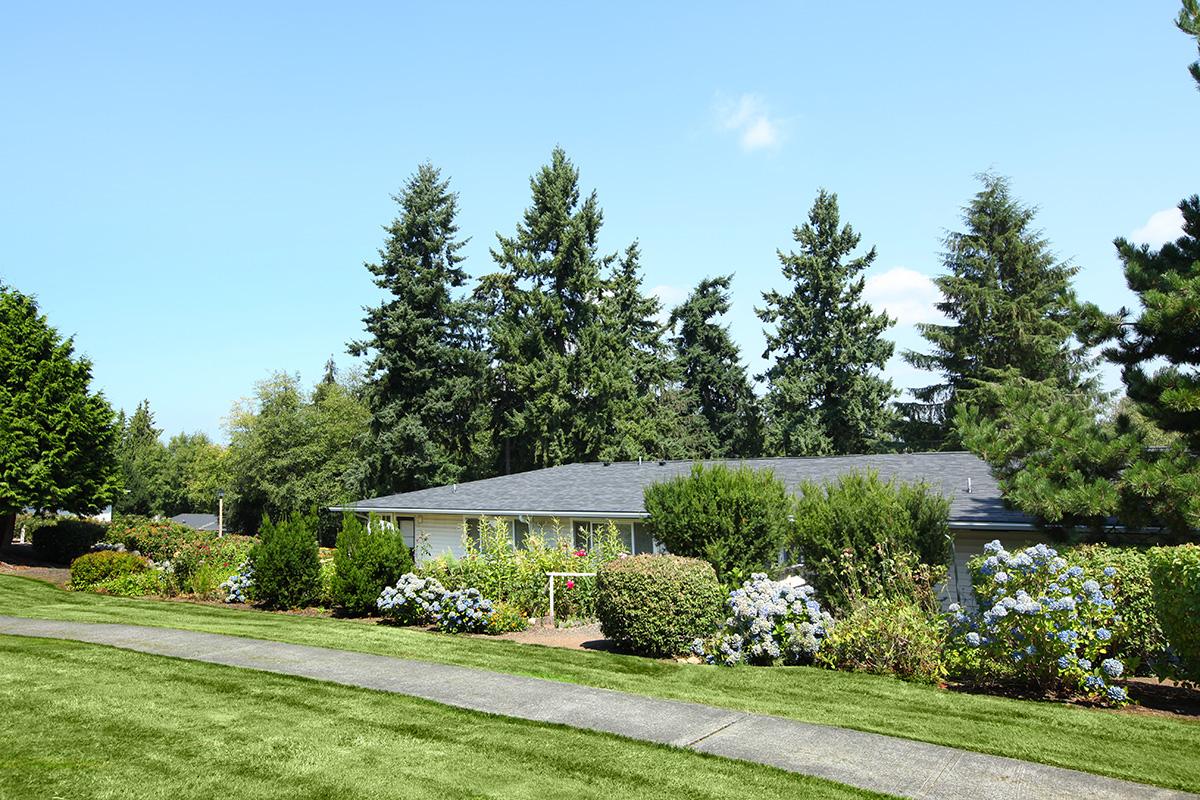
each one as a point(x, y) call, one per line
point(1012, 314)
point(543, 303)
point(824, 391)
point(143, 460)
point(715, 384)
point(1165, 335)
point(427, 368)
point(1188, 21)
point(57, 437)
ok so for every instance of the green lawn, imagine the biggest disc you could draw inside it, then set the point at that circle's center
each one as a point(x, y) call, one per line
point(1149, 749)
point(86, 721)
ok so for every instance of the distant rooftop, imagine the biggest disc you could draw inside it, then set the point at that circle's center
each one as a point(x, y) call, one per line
point(615, 489)
point(199, 522)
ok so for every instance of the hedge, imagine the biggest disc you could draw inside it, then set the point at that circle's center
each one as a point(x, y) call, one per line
point(93, 568)
point(1175, 576)
point(657, 605)
point(66, 539)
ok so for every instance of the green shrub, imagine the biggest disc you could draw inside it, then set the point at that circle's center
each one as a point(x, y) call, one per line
point(1138, 638)
point(506, 618)
point(1175, 576)
point(66, 539)
point(368, 558)
point(657, 605)
point(873, 523)
point(202, 562)
point(287, 571)
point(92, 568)
point(735, 519)
point(137, 584)
point(887, 636)
point(156, 539)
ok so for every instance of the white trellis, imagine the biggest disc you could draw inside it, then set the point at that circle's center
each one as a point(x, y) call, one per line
point(553, 575)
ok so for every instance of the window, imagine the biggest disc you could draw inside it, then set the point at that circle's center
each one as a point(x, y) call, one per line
point(520, 533)
point(408, 527)
point(642, 540)
point(634, 538)
point(473, 534)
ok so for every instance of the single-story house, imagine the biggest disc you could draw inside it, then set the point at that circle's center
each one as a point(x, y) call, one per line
point(197, 522)
point(571, 500)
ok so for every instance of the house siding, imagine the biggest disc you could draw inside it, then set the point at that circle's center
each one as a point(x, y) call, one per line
point(967, 545)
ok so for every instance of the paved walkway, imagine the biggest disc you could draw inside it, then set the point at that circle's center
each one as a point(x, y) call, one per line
point(867, 760)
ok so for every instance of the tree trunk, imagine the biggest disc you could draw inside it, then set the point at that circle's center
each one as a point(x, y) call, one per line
point(8, 526)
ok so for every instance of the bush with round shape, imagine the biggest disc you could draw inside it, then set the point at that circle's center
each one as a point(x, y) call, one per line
point(93, 568)
point(137, 584)
point(466, 611)
point(1138, 638)
point(1045, 624)
point(414, 600)
point(656, 605)
point(770, 622)
point(66, 539)
point(735, 519)
point(1175, 576)
point(507, 618)
point(887, 636)
point(287, 571)
point(368, 558)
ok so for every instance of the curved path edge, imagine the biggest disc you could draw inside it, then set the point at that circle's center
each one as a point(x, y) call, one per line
point(866, 760)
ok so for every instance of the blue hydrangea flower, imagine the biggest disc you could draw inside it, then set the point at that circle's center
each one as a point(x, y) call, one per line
point(1110, 571)
point(1103, 634)
point(1117, 694)
point(1112, 667)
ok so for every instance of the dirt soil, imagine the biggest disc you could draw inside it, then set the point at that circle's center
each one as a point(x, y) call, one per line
point(18, 559)
point(577, 637)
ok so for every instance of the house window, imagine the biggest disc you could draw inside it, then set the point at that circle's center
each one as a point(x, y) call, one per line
point(408, 528)
point(520, 533)
point(473, 534)
point(634, 539)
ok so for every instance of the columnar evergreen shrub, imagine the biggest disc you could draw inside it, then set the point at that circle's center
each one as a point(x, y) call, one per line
point(735, 519)
point(92, 568)
point(866, 520)
point(1138, 638)
point(368, 558)
point(770, 622)
point(1175, 574)
point(657, 605)
point(1045, 624)
point(887, 636)
point(66, 539)
point(287, 571)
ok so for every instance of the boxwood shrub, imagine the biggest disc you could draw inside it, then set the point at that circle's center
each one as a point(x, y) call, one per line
point(1175, 577)
point(93, 568)
point(657, 605)
point(66, 539)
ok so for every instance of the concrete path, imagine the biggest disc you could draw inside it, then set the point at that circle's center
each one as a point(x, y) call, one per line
point(871, 761)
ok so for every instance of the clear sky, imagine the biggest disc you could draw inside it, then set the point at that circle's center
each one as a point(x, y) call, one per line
point(192, 191)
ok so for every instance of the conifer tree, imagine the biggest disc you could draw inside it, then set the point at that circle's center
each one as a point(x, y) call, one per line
point(143, 460)
point(1188, 21)
point(427, 368)
point(57, 437)
point(715, 384)
point(824, 391)
point(543, 304)
point(1012, 314)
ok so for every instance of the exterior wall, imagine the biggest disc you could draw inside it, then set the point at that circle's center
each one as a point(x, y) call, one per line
point(438, 536)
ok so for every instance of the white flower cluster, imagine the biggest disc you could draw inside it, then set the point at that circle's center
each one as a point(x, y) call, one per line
point(770, 621)
point(413, 600)
point(237, 588)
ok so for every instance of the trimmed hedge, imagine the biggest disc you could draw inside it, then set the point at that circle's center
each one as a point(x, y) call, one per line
point(1175, 576)
point(287, 568)
point(66, 540)
point(657, 605)
point(1138, 639)
point(735, 519)
point(93, 568)
point(368, 558)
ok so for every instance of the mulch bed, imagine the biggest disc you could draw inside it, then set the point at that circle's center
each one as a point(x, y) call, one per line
point(1149, 696)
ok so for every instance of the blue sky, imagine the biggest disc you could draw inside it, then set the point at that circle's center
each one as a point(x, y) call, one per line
point(192, 192)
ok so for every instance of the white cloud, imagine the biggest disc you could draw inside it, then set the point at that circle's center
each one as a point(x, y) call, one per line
point(749, 118)
point(907, 295)
point(1162, 227)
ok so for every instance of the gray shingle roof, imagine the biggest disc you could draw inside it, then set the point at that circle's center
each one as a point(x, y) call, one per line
point(199, 522)
point(598, 489)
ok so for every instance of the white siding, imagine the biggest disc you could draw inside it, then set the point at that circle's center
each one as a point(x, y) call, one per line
point(437, 536)
point(967, 545)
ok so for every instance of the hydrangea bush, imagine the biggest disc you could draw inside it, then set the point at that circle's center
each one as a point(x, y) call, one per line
point(239, 586)
point(413, 600)
point(770, 622)
point(1043, 623)
point(466, 611)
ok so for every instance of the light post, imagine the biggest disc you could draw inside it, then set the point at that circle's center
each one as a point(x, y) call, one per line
point(220, 513)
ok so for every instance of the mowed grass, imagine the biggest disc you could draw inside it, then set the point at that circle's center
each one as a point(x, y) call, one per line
point(87, 721)
point(1144, 748)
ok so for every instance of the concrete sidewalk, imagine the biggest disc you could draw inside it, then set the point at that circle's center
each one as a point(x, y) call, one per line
point(867, 760)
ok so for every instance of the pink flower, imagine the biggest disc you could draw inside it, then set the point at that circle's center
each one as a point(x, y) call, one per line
point(581, 553)
point(570, 584)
